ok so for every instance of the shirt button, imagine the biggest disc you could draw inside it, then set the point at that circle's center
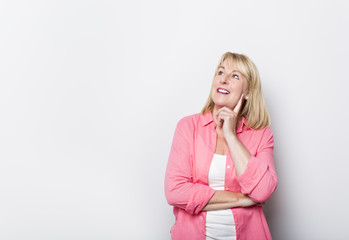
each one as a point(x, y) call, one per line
point(228, 166)
point(227, 188)
point(238, 227)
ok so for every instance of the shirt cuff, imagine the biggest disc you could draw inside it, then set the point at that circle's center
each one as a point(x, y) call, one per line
point(199, 198)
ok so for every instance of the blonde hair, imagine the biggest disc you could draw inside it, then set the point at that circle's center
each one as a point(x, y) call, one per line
point(253, 109)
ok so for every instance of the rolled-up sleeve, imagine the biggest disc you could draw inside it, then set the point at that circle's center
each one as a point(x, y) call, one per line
point(259, 180)
point(180, 190)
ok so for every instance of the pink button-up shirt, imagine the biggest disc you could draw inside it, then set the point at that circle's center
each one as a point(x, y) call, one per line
point(186, 180)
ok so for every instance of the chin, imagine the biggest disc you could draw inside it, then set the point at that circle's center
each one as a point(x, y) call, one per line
point(220, 105)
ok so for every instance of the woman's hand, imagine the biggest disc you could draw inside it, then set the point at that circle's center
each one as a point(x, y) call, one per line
point(246, 201)
point(227, 118)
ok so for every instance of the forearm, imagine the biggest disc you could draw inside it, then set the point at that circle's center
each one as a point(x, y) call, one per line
point(239, 154)
point(225, 200)
point(220, 206)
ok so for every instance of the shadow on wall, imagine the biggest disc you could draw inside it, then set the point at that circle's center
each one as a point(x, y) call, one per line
point(273, 207)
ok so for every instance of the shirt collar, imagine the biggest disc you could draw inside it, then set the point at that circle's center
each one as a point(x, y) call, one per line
point(207, 120)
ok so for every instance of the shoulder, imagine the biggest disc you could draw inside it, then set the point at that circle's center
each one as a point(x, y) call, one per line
point(261, 131)
point(262, 135)
point(190, 121)
point(265, 136)
point(266, 131)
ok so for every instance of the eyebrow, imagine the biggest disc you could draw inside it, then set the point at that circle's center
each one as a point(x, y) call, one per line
point(233, 70)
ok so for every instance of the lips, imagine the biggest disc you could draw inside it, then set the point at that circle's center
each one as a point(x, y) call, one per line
point(222, 90)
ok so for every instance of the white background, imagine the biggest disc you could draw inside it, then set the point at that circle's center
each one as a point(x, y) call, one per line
point(91, 92)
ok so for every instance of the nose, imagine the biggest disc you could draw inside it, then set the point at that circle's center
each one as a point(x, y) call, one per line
point(225, 79)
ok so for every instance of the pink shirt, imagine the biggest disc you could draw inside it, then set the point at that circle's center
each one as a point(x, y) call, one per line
point(186, 180)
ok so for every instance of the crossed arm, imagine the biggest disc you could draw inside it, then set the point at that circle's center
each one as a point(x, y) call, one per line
point(225, 200)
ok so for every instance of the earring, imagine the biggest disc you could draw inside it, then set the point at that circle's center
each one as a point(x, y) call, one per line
point(246, 97)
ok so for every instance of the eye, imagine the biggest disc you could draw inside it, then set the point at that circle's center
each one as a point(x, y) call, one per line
point(236, 76)
point(220, 73)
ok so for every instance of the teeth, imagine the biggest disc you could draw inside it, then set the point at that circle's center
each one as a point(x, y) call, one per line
point(222, 91)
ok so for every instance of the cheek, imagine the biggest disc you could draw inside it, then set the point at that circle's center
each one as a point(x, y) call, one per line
point(237, 87)
point(214, 86)
point(245, 85)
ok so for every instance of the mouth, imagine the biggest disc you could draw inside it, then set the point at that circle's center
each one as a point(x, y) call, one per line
point(222, 90)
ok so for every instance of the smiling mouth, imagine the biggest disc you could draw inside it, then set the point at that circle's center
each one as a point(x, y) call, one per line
point(224, 91)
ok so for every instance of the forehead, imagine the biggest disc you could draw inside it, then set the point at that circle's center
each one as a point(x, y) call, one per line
point(233, 66)
point(228, 67)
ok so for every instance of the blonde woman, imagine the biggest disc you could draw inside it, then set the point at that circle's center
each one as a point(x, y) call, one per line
point(220, 168)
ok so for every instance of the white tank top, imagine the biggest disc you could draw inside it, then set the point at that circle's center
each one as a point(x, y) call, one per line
point(220, 223)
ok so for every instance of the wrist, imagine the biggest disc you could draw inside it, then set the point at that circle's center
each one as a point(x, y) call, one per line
point(231, 137)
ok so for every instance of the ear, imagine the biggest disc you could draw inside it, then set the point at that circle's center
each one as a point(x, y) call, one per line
point(246, 95)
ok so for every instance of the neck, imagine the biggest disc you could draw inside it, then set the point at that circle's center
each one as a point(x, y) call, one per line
point(215, 109)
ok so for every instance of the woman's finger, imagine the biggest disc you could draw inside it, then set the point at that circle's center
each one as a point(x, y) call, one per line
point(224, 115)
point(237, 107)
point(219, 121)
point(224, 109)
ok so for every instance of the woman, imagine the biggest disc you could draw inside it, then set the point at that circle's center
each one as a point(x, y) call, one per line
point(221, 168)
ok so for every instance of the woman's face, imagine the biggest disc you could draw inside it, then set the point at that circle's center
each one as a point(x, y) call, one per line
point(227, 87)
